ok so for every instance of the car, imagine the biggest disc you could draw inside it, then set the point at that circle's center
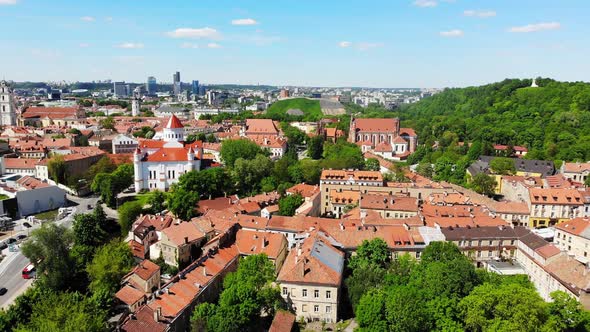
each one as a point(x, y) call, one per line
point(10, 240)
point(3, 291)
point(21, 237)
point(3, 246)
point(27, 225)
point(89, 207)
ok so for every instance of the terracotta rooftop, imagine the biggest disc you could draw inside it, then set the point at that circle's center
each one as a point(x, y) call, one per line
point(146, 269)
point(344, 175)
point(317, 262)
point(261, 126)
point(305, 190)
point(174, 123)
point(376, 125)
point(20, 163)
point(254, 242)
point(576, 167)
point(142, 321)
point(282, 322)
point(388, 202)
point(30, 183)
point(170, 154)
point(178, 233)
point(556, 196)
point(129, 295)
point(577, 226)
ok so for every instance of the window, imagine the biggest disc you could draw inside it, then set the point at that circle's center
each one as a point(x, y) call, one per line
point(316, 293)
point(304, 292)
point(328, 309)
point(316, 308)
point(329, 293)
point(285, 291)
point(304, 308)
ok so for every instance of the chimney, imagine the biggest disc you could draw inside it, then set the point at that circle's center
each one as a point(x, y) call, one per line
point(341, 226)
point(264, 243)
point(204, 271)
point(185, 239)
point(298, 252)
point(157, 314)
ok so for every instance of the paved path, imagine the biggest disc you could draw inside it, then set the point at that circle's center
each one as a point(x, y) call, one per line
point(11, 267)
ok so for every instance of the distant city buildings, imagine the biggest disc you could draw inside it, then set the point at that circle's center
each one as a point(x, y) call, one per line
point(120, 89)
point(151, 86)
point(176, 83)
point(195, 87)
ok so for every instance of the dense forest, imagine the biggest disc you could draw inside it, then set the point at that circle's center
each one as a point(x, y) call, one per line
point(552, 120)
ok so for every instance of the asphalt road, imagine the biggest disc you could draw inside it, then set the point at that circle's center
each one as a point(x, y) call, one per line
point(11, 267)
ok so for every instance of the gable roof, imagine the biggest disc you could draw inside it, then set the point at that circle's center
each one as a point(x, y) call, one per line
point(129, 295)
point(376, 125)
point(146, 269)
point(177, 233)
point(174, 123)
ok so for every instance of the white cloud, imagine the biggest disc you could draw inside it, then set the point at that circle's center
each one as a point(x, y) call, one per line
point(244, 21)
point(452, 33)
point(213, 45)
point(479, 13)
point(189, 45)
point(84, 45)
point(345, 44)
point(108, 18)
point(130, 45)
point(536, 27)
point(87, 18)
point(425, 3)
point(206, 32)
point(8, 2)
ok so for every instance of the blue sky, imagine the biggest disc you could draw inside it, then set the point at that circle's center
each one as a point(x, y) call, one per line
point(375, 43)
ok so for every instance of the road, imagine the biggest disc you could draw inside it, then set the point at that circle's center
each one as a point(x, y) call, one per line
point(12, 265)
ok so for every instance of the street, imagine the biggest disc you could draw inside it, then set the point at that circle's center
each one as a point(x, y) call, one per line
point(12, 265)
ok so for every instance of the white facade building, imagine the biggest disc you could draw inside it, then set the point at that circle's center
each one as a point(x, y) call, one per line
point(7, 105)
point(124, 144)
point(161, 164)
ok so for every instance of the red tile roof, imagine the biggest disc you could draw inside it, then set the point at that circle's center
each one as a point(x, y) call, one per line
point(574, 226)
point(282, 322)
point(376, 125)
point(178, 232)
point(20, 163)
point(142, 321)
point(50, 112)
point(129, 295)
point(169, 154)
point(30, 183)
point(146, 269)
point(174, 123)
point(576, 167)
point(305, 190)
point(254, 242)
point(556, 196)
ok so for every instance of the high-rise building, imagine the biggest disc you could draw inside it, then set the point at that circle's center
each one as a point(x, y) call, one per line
point(176, 84)
point(195, 87)
point(7, 106)
point(119, 89)
point(151, 85)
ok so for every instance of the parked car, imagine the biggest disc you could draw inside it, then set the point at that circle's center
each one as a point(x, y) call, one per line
point(3, 291)
point(10, 240)
point(21, 237)
point(27, 225)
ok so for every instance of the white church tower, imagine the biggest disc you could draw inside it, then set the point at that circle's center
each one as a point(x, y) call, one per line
point(7, 105)
point(135, 106)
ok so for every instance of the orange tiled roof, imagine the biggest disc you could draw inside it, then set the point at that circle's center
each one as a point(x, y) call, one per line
point(254, 242)
point(388, 202)
point(344, 175)
point(169, 154)
point(174, 123)
point(146, 269)
point(556, 196)
point(282, 322)
point(376, 125)
point(178, 232)
point(143, 321)
point(261, 126)
point(20, 163)
point(576, 167)
point(30, 182)
point(574, 226)
point(318, 262)
point(305, 190)
point(129, 295)
point(50, 112)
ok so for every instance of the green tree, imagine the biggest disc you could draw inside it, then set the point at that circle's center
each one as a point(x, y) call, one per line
point(425, 169)
point(157, 201)
point(370, 312)
point(405, 310)
point(343, 155)
point(49, 249)
point(57, 168)
point(248, 293)
point(110, 263)
point(484, 184)
point(372, 164)
point(232, 150)
point(504, 307)
point(67, 312)
point(440, 251)
point(289, 204)
point(128, 213)
point(566, 314)
point(107, 123)
point(502, 166)
point(375, 252)
point(182, 203)
point(315, 147)
point(247, 173)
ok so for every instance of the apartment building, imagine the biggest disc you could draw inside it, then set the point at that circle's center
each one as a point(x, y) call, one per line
point(573, 237)
point(553, 206)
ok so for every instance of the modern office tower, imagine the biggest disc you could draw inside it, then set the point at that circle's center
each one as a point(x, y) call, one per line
point(119, 89)
point(176, 84)
point(151, 86)
point(195, 87)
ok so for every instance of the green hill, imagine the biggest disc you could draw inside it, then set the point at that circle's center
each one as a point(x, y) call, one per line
point(310, 108)
point(552, 121)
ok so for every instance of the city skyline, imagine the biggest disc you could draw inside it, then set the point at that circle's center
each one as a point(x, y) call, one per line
point(406, 43)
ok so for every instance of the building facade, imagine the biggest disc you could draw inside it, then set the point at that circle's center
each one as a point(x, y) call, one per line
point(7, 105)
point(384, 137)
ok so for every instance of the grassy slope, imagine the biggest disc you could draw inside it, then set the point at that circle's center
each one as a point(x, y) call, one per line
point(311, 108)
